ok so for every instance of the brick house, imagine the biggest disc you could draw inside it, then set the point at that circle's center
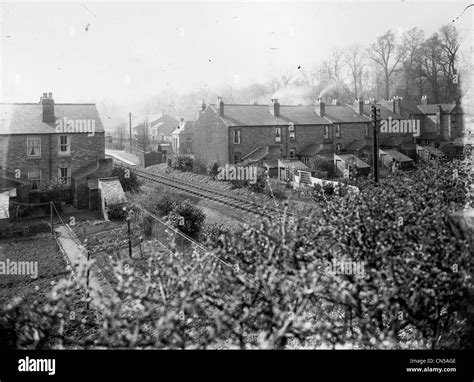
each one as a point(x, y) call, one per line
point(45, 142)
point(228, 133)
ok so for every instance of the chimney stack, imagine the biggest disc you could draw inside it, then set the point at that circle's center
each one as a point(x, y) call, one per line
point(424, 100)
point(322, 107)
point(360, 103)
point(396, 105)
point(220, 104)
point(275, 108)
point(47, 103)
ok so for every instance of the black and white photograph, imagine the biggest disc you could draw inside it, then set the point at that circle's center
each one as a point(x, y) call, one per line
point(236, 175)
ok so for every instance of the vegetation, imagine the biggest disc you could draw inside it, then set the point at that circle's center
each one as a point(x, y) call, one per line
point(128, 179)
point(268, 286)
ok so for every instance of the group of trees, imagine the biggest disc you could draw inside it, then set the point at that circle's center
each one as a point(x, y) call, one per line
point(407, 64)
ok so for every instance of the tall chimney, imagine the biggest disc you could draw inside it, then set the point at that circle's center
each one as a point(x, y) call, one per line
point(47, 103)
point(360, 103)
point(220, 104)
point(424, 100)
point(322, 107)
point(275, 108)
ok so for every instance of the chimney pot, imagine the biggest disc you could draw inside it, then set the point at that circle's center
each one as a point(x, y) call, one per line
point(424, 100)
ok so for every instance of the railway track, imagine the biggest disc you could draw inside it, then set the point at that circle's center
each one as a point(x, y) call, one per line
point(208, 193)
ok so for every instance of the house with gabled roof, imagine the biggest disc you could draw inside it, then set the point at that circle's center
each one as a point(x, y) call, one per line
point(228, 133)
point(47, 142)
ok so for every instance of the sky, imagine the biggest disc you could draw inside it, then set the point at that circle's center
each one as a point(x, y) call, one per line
point(124, 52)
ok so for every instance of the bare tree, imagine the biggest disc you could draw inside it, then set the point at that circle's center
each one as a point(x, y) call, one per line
point(355, 58)
point(412, 41)
point(431, 64)
point(450, 45)
point(388, 56)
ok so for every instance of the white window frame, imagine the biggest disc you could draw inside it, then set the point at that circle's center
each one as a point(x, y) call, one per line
point(292, 135)
point(67, 177)
point(338, 148)
point(367, 130)
point(29, 147)
point(338, 130)
point(34, 179)
point(326, 132)
point(68, 145)
point(236, 138)
point(292, 151)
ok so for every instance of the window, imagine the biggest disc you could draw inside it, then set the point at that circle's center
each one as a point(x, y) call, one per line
point(65, 175)
point(236, 137)
point(278, 134)
point(237, 157)
point(338, 147)
point(292, 153)
point(64, 145)
point(292, 135)
point(366, 129)
point(189, 143)
point(34, 176)
point(292, 126)
point(326, 132)
point(338, 130)
point(33, 146)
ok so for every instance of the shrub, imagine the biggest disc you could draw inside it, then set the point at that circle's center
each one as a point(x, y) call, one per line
point(274, 188)
point(211, 233)
point(199, 168)
point(130, 182)
point(116, 212)
point(187, 218)
point(212, 169)
point(182, 162)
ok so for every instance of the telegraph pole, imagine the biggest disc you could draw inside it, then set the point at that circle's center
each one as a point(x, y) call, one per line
point(130, 127)
point(375, 116)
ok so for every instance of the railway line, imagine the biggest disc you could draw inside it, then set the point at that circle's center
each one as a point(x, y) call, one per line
point(208, 193)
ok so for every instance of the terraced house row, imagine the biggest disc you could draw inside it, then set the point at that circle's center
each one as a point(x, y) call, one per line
point(281, 136)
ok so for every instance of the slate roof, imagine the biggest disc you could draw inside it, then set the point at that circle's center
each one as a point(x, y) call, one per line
point(395, 140)
point(358, 144)
point(259, 115)
point(26, 118)
point(263, 152)
point(344, 113)
point(359, 163)
point(315, 149)
point(164, 123)
point(186, 129)
point(397, 155)
point(385, 113)
point(112, 191)
point(294, 164)
point(432, 108)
